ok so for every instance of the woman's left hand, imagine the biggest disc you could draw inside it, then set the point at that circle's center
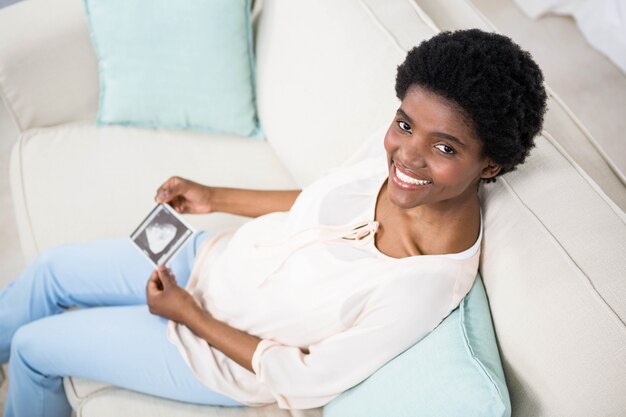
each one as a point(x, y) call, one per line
point(166, 299)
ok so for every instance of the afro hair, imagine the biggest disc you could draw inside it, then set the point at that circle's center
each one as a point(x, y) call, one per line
point(495, 83)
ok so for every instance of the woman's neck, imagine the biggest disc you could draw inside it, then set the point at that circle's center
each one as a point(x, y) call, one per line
point(449, 227)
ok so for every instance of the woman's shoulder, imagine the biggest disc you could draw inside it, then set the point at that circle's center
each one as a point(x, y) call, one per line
point(409, 284)
point(409, 296)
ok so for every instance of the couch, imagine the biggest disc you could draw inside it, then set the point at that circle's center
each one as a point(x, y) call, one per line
point(554, 248)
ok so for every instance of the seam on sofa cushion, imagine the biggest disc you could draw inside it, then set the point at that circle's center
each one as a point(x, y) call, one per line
point(77, 405)
point(564, 252)
point(83, 400)
point(98, 393)
point(479, 365)
point(20, 160)
point(424, 16)
point(5, 99)
point(380, 26)
point(585, 176)
point(24, 136)
point(587, 135)
point(482, 16)
point(383, 28)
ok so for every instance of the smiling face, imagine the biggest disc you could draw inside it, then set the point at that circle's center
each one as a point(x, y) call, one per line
point(433, 156)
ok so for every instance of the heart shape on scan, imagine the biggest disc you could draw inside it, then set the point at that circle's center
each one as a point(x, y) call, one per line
point(159, 235)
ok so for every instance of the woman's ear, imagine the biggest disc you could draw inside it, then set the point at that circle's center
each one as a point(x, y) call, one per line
point(490, 170)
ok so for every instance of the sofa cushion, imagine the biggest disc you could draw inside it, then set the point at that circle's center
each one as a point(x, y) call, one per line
point(94, 399)
point(48, 76)
point(78, 182)
point(326, 73)
point(181, 65)
point(454, 371)
point(553, 262)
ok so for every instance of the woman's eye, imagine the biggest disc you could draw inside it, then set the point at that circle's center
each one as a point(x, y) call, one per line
point(445, 149)
point(404, 126)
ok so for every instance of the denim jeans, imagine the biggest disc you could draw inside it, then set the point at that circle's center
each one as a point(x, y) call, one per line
point(112, 338)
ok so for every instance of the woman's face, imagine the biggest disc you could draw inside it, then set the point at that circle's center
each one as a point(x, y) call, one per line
point(432, 154)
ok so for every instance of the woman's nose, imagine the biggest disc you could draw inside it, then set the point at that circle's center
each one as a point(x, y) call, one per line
point(414, 151)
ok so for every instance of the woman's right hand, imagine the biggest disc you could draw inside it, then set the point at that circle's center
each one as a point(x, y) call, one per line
point(185, 196)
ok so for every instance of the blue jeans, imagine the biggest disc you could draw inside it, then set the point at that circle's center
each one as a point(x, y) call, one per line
point(116, 340)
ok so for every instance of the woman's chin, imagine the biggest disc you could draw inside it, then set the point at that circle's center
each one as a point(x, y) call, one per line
point(407, 198)
point(403, 201)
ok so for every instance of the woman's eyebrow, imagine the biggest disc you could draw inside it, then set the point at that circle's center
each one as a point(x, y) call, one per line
point(440, 134)
point(403, 114)
point(449, 137)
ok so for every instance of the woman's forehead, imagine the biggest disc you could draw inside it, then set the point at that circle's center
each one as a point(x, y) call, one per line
point(436, 113)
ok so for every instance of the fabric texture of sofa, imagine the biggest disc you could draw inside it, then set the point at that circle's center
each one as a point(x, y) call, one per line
point(554, 246)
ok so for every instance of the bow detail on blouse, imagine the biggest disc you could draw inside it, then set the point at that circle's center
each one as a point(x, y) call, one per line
point(361, 232)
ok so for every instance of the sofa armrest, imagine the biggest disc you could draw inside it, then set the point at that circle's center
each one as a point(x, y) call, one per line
point(48, 67)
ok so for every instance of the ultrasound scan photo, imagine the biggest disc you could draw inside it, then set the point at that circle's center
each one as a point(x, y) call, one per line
point(161, 235)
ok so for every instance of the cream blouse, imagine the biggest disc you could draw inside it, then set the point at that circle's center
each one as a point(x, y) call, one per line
point(329, 307)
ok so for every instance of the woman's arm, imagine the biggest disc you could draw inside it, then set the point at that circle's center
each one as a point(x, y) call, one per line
point(166, 299)
point(251, 203)
point(186, 196)
point(395, 316)
point(234, 343)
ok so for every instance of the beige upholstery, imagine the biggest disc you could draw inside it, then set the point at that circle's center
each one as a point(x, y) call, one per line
point(554, 249)
point(48, 83)
point(351, 61)
point(94, 399)
point(553, 262)
point(93, 169)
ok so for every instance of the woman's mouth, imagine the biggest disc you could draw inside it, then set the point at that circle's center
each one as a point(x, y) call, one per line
point(403, 180)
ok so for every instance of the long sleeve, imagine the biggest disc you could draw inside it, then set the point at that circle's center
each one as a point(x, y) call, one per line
point(329, 307)
point(395, 317)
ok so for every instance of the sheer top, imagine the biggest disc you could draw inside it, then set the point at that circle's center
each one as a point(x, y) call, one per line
point(329, 307)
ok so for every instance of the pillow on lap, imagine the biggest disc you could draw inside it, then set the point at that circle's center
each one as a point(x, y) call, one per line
point(454, 371)
point(176, 65)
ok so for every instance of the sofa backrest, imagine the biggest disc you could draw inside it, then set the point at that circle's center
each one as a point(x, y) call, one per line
point(326, 74)
point(554, 263)
point(47, 83)
point(554, 248)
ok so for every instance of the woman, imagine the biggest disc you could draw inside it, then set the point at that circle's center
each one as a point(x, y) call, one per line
point(325, 286)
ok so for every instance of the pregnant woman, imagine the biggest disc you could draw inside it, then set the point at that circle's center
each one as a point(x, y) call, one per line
point(323, 287)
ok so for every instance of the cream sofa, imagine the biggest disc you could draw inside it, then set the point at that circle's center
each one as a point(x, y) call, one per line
point(554, 249)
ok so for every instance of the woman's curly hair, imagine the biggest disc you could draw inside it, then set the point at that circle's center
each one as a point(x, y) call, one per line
point(494, 82)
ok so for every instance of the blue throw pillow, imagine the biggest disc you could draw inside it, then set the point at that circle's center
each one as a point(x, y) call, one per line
point(455, 371)
point(175, 64)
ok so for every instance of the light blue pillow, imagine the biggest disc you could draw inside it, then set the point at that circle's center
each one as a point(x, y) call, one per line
point(455, 371)
point(175, 64)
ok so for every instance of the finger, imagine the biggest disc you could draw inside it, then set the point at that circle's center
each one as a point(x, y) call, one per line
point(166, 276)
point(178, 204)
point(154, 283)
point(151, 287)
point(162, 191)
point(172, 278)
point(168, 184)
point(170, 189)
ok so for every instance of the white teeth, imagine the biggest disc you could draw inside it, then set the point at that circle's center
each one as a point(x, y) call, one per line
point(409, 180)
